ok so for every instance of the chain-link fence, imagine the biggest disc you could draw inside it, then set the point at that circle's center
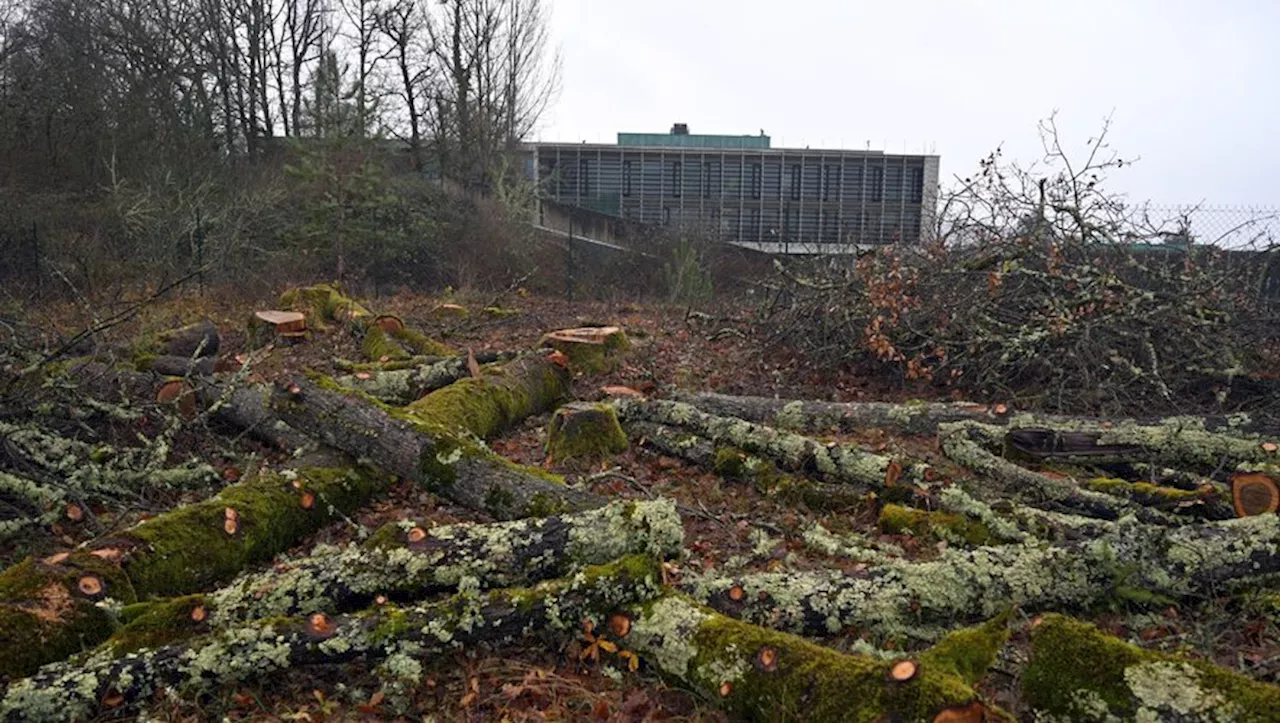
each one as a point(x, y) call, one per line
point(1233, 227)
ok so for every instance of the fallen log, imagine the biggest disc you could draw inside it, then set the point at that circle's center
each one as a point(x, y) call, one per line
point(818, 416)
point(963, 443)
point(1077, 672)
point(101, 682)
point(844, 463)
point(737, 466)
point(199, 340)
point(178, 366)
point(25, 503)
point(248, 409)
point(404, 386)
point(431, 441)
point(382, 344)
point(408, 562)
point(895, 598)
point(48, 606)
point(760, 674)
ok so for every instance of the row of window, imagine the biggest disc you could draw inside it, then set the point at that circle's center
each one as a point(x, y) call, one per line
point(830, 180)
point(791, 225)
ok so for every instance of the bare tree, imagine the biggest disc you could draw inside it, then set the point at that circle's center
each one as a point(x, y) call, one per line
point(405, 25)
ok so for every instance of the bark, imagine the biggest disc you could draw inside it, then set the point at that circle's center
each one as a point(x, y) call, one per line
point(431, 443)
point(399, 344)
point(1077, 672)
point(818, 416)
point(248, 409)
point(1183, 442)
point(407, 562)
point(46, 614)
point(25, 503)
point(403, 386)
point(735, 465)
point(81, 688)
point(844, 463)
point(592, 349)
point(761, 674)
point(180, 366)
point(196, 340)
point(963, 443)
point(897, 598)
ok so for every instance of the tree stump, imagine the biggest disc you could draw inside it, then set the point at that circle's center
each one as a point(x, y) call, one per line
point(267, 326)
point(584, 432)
point(1254, 494)
point(590, 349)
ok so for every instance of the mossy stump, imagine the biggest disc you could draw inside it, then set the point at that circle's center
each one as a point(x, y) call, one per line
point(324, 303)
point(584, 433)
point(590, 349)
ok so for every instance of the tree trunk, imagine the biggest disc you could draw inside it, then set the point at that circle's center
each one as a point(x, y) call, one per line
point(100, 681)
point(403, 386)
point(47, 607)
point(761, 674)
point(430, 441)
point(816, 416)
point(408, 562)
point(1077, 672)
point(845, 463)
point(1134, 561)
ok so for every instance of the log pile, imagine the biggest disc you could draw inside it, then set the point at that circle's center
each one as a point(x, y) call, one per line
point(970, 557)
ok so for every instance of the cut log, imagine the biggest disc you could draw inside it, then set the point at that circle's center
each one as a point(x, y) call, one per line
point(180, 366)
point(1077, 672)
point(442, 312)
point(430, 441)
point(404, 386)
point(409, 565)
point(817, 416)
point(917, 599)
point(844, 463)
point(181, 395)
point(267, 326)
point(761, 674)
point(200, 340)
point(45, 616)
point(78, 689)
point(1207, 502)
point(388, 323)
point(738, 466)
point(963, 443)
point(1183, 442)
point(584, 432)
point(1254, 494)
point(248, 409)
point(590, 349)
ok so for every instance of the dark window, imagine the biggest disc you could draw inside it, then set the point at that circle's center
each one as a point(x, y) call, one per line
point(877, 183)
point(675, 179)
point(666, 216)
point(706, 179)
point(755, 180)
point(584, 185)
point(795, 183)
point(915, 185)
point(830, 182)
point(626, 178)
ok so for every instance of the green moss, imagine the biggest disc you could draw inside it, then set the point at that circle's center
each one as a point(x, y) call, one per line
point(498, 312)
point(498, 502)
point(379, 346)
point(593, 358)
point(43, 615)
point(585, 432)
point(970, 652)
point(799, 681)
point(730, 463)
point(1077, 670)
point(160, 623)
point(323, 303)
point(485, 406)
point(899, 520)
point(188, 548)
point(419, 343)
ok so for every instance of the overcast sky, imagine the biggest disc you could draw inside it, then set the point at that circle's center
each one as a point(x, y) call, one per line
point(1194, 86)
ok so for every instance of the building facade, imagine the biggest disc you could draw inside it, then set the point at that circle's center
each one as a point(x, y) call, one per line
point(742, 190)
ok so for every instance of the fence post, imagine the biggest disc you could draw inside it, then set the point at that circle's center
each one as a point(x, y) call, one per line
point(569, 261)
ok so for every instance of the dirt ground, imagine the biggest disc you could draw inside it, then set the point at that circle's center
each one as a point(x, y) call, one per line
point(727, 525)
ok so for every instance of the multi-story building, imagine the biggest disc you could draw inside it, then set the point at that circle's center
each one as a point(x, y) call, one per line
point(742, 190)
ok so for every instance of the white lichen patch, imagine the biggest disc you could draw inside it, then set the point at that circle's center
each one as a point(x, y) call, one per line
point(665, 632)
point(1164, 688)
